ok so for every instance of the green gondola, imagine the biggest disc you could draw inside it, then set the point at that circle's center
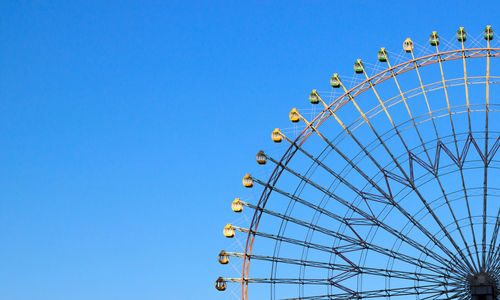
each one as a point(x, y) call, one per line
point(434, 39)
point(461, 35)
point(382, 55)
point(335, 81)
point(488, 33)
point(314, 97)
point(358, 67)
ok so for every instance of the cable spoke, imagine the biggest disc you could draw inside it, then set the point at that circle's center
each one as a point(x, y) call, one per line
point(433, 289)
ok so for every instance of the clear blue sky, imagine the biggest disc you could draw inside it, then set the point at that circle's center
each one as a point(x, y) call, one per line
point(126, 127)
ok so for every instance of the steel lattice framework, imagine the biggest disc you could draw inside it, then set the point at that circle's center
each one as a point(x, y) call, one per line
point(384, 196)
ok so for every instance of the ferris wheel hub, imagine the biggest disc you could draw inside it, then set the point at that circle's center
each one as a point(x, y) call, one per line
point(483, 286)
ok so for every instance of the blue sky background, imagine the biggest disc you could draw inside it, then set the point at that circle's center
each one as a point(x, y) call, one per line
point(126, 127)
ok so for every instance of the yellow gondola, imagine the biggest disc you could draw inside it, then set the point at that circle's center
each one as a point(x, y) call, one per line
point(276, 136)
point(261, 158)
point(294, 115)
point(408, 45)
point(237, 206)
point(223, 258)
point(220, 284)
point(247, 181)
point(228, 231)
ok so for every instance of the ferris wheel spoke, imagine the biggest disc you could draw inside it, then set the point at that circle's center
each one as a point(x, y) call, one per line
point(466, 197)
point(485, 184)
point(348, 160)
point(493, 250)
point(448, 204)
point(407, 181)
point(467, 203)
point(357, 244)
point(437, 135)
point(295, 281)
point(389, 198)
point(364, 195)
point(353, 244)
point(433, 289)
point(459, 166)
point(332, 250)
point(466, 85)
point(493, 256)
point(365, 215)
point(458, 294)
point(447, 98)
point(408, 110)
point(424, 93)
point(493, 259)
point(456, 147)
point(337, 176)
point(349, 271)
point(427, 154)
point(410, 180)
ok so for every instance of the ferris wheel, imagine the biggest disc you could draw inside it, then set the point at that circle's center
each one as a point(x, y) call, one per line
point(391, 189)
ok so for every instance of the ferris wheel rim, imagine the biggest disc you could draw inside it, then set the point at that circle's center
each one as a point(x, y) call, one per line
point(324, 115)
